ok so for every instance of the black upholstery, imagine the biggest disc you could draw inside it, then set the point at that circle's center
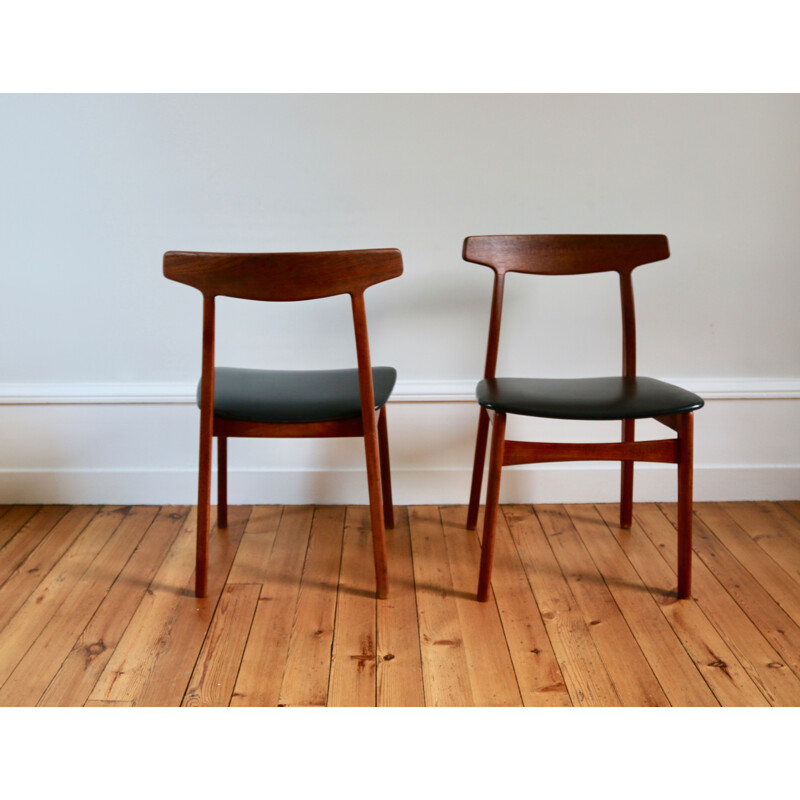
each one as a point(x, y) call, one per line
point(586, 398)
point(261, 395)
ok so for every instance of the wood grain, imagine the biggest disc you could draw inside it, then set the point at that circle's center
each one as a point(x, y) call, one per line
point(215, 673)
point(400, 680)
point(672, 666)
point(96, 643)
point(742, 639)
point(581, 611)
point(535, 664)
point(353, 680)
point(712, 654)
point(35, 547)
point(792, 507)
point(70, 556)
point(261, 671)
point(12, 518)
point(622, 655)
point(308, 665)
point(585, 674)
point(255, 549)
point(774, 623)
point(445, 670)
point(153, 661)
point(33, 673)
point(772, 528)
point(489, 664)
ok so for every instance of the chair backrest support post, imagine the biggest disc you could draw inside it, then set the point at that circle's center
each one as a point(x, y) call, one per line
point(628, 324)
point(207, 368)
point(363, 357)
point(560, 254)
point(495, 318)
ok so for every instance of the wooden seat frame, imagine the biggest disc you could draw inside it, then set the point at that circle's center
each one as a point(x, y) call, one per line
point(572, 255)
point(281, 277)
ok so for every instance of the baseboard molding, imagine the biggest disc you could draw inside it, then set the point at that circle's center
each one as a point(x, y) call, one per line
point(136, 443)
point(533, 484)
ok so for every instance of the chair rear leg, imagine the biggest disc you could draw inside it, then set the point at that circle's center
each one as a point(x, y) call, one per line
point(203, 508)
point(222, 481)
point(386, 475)
point(477, 469)
point(626, 493)
point(685, 491)
point(492, 501)
point(376, 510)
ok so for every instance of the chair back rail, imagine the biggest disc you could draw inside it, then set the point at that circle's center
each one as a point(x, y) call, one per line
point(283, 276)
point(558, 254)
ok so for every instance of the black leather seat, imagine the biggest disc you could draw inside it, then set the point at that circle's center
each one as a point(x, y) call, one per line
point(612, 398)
point(263, 395)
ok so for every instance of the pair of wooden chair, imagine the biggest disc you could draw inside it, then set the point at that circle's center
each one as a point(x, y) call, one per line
point(352, 402)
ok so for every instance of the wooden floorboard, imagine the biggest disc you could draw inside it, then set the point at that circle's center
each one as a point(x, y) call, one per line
point(444, 662)
point(98, 641)
point(585, 675)
point(354, 654)
point(489, 664)
point(674, 669)
point(97, 608)
point(651, 544)
point(260, 674)
point(33, 673)
point(400, 680)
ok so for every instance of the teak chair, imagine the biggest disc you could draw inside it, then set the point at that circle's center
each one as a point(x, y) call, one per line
point(626, 398)
point(291, 403)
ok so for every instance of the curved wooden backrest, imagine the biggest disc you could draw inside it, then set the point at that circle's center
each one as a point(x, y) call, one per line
point(283, 276)
point(566, 254)
point(563, 254)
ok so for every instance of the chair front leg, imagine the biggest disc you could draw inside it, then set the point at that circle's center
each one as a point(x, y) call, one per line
point(386, 475)
point(477, 469)
point(626, 492)
point(376, 509)
point(492, 501)
point(203, 506)
point(222, 481)
point(685, 491)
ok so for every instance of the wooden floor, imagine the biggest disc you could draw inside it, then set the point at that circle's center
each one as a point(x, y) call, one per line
point(97, 609)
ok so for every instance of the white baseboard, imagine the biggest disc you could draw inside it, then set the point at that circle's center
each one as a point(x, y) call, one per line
point(137, 444)
point(543, 484)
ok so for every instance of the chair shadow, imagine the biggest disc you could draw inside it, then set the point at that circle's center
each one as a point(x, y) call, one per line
point(459, 525)
point(335, 588)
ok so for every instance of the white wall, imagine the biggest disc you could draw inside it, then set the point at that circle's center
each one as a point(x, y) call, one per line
point(101, 352)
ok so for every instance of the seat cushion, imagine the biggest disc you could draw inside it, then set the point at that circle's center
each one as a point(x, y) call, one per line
point(260, 395)
point(586, 398)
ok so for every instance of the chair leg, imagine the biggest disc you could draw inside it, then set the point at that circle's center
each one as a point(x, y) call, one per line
point(203, 508)
point(685, 485)
point(376, 510)
point(477, 469)
point(492, 501)
point(386, 474)
point(222, 481)
point(626, 493)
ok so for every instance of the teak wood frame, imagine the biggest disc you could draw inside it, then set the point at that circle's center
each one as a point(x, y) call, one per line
point(572, 255)
point(281, 277)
